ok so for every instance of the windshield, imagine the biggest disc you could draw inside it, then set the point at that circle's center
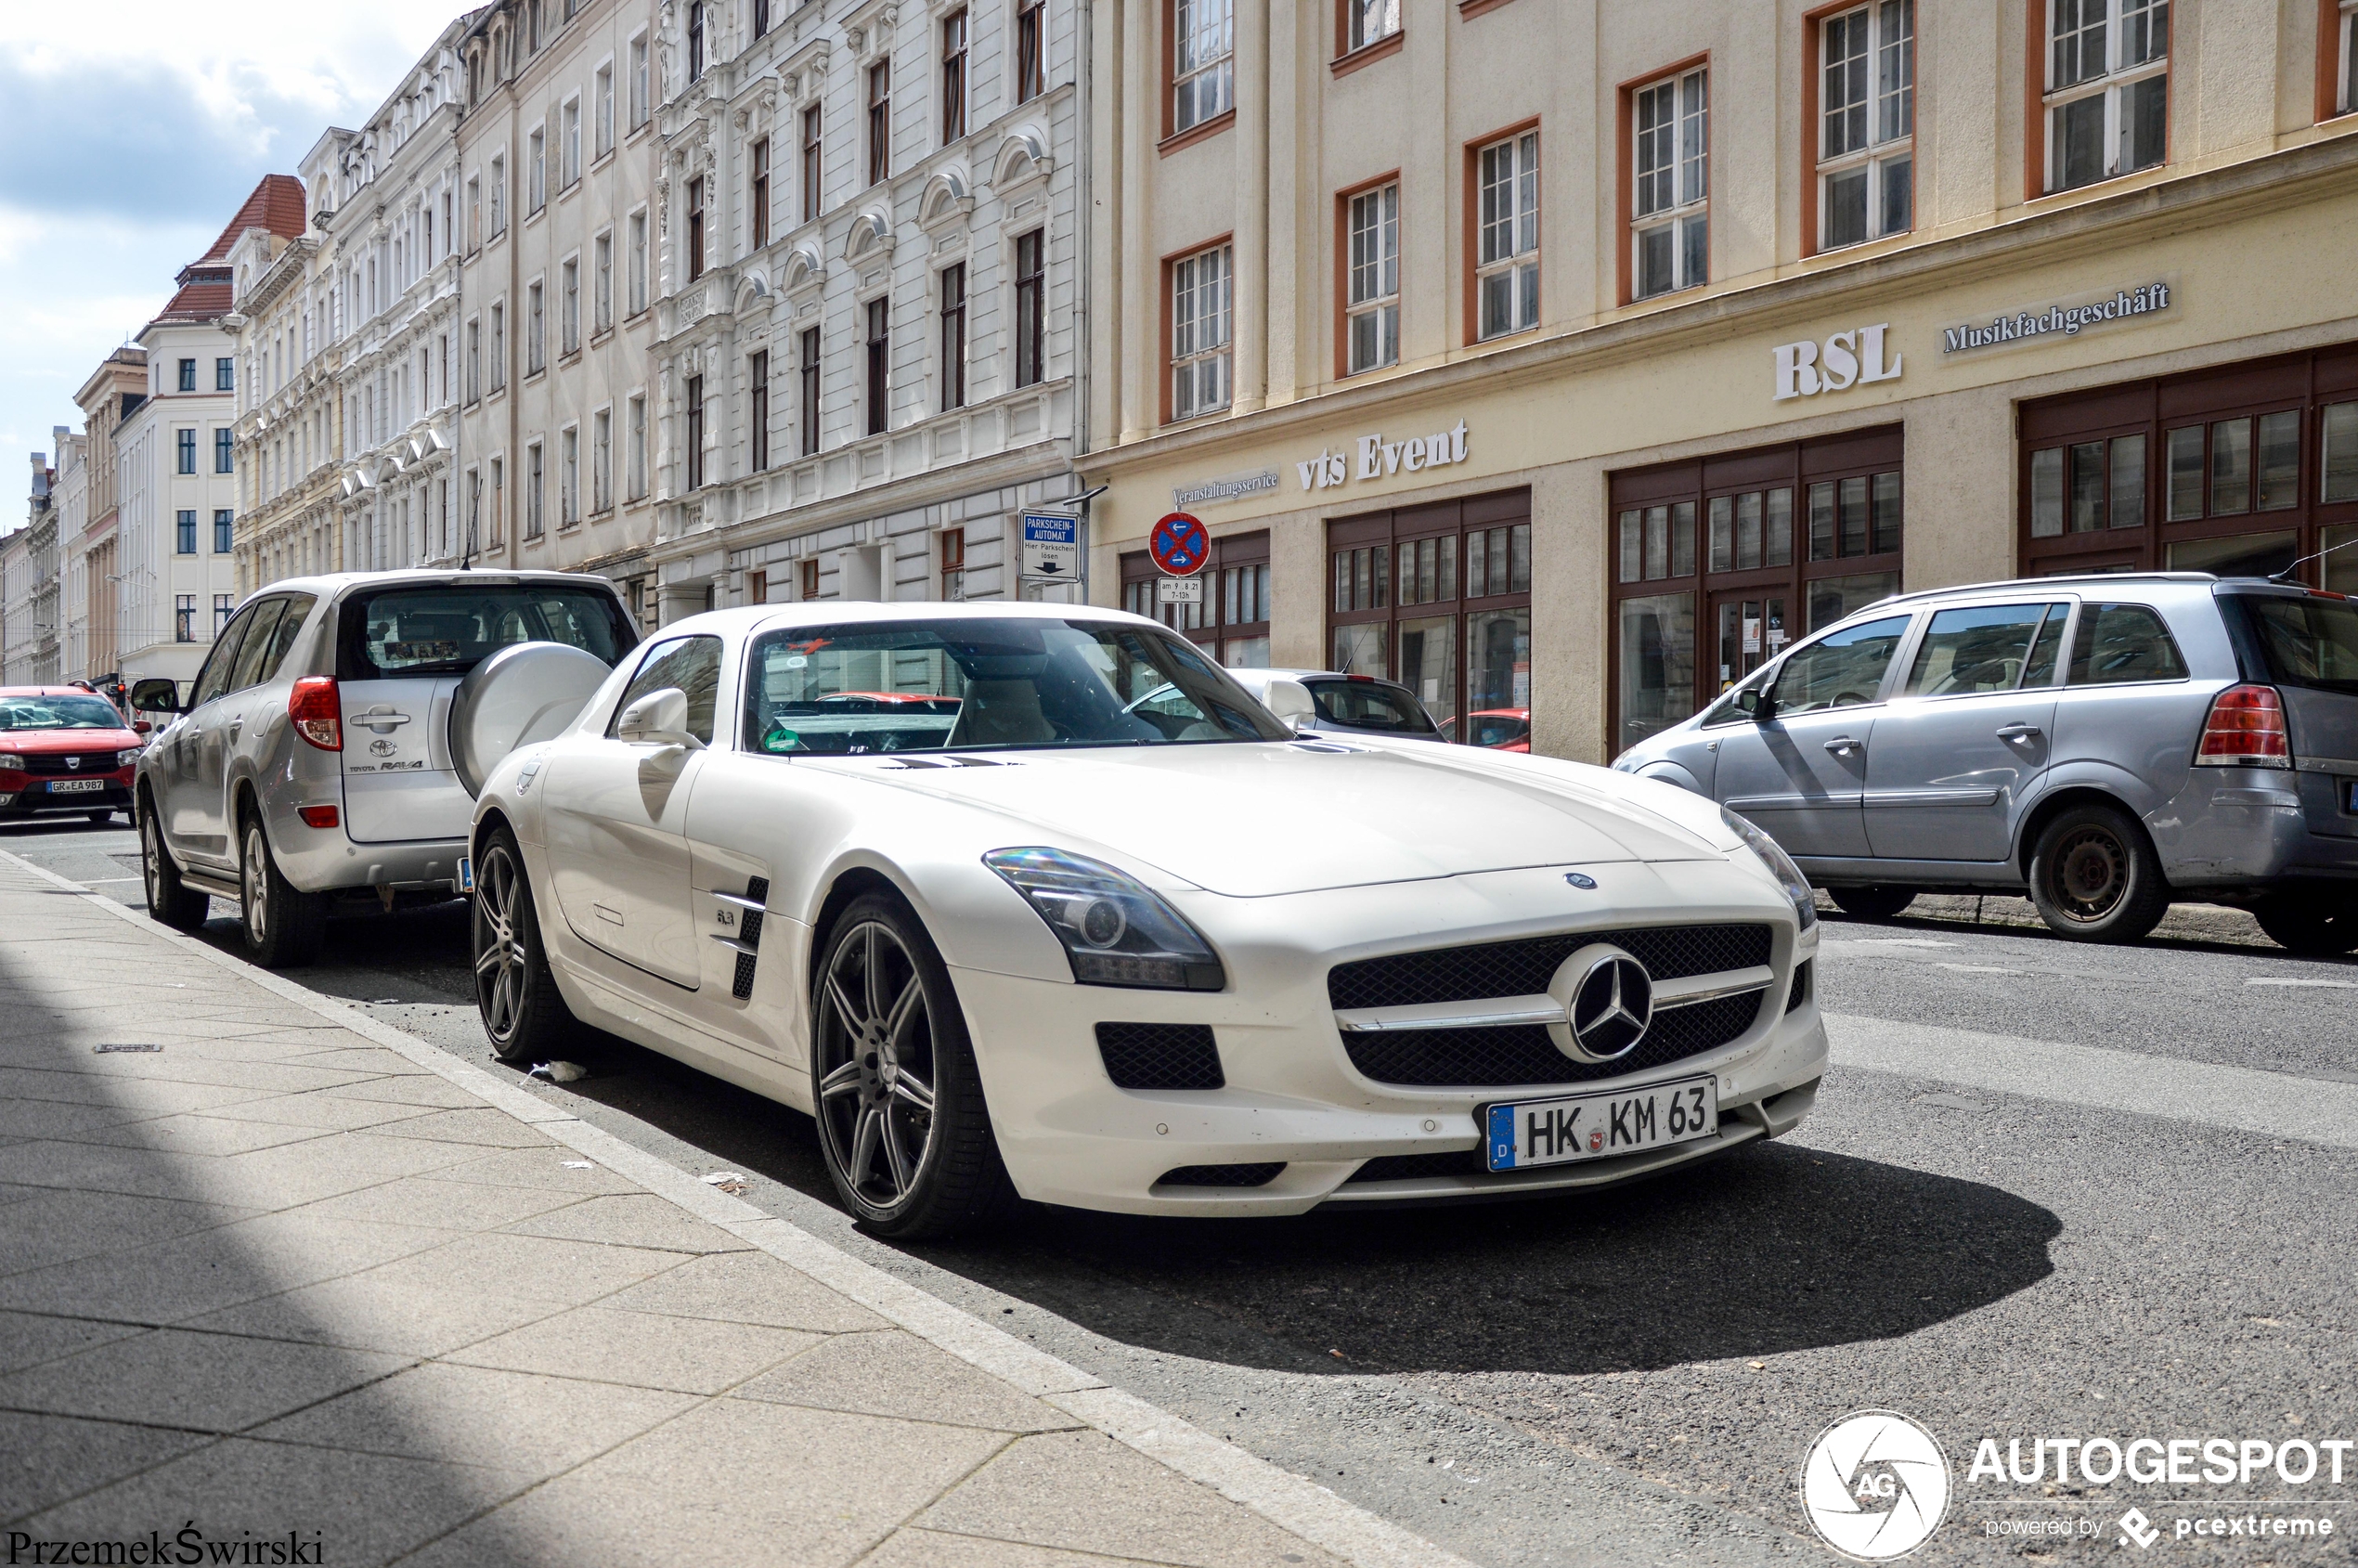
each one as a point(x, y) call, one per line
point(2308, 642)
point(956, 685)
point(58, 713)
point(448, 629)
point(1369, 705)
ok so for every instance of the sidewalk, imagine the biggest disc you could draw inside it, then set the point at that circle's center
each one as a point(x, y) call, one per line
point(301, 1283)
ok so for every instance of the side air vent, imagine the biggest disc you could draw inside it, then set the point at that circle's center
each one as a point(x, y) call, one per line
point(1161, 1055)
point(1220, 1175)
point(1801, 979)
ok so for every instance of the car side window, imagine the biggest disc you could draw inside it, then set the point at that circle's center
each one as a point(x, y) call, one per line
point(2123, 643)
point(298, 611)
point(1976, 647)
point(256, 646)
point(213, 678)
point(692, 664)
point(1842, 670)
point(2046, 651)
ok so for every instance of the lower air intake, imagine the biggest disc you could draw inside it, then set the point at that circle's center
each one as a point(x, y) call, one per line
point(1161, 1055)
point(1220, 1175)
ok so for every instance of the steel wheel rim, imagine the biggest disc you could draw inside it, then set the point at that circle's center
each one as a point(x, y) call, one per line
point(498, 952)
point(2091, 875)
point(878, 1066)
point(257, 884)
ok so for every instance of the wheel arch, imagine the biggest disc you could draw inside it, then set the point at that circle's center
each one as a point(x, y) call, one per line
point(2049, 807)
point(851, 883)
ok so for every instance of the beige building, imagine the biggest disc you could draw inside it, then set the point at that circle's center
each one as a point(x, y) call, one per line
point(88, 589)
point(557, 152)
point(1565, 360)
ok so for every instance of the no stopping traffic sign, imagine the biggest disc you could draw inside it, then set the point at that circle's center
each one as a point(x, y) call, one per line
point(1179, 545)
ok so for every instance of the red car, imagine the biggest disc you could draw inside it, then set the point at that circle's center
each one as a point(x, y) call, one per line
point(62, 749)
point(1500, 729)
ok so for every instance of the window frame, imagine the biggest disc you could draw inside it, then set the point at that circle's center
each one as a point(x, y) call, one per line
point(1352, 306)
point(879, 84)
point(691, 198)
point(1686, 205)
point(692, 400)
point(757, 195)
point(1222, 351)
point(1375, 540)
point(758, 411)
point(602, 460)
point(876, 384)
point(1032, 308)
point(1352, 28)
point(1525, 140)
point(1882, 147)
point(951, 282)
point(2043, 150)
point(1031, 49)
point(807, 359)
point(953, 557)
point(1218, 70)
point(603, 97)
point(184, 530)
point(569, 305)
point(601, 281)
point(814, 172)
point(957, 42)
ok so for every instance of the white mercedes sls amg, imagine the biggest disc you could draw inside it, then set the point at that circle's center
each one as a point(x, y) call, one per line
point(1034, 900)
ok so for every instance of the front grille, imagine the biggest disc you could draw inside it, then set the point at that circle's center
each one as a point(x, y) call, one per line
point(1161, 1055)
point(92, 762)
point(1526, 1054)
point(1220, 1175)
point(1525, 967)
point(1405, 1167)
point(1800, 993)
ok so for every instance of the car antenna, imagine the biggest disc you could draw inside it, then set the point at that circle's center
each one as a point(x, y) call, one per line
point(2289, 578)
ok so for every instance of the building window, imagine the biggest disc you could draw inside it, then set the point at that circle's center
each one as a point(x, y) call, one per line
point(498, 345)
point(601, 459)
point(638, 260)
point(757, 588)
point(1670, 217)
point(601, 283)
point(184, 617)
point(224, 527)
point(698, 15)
point(536, 341)
point(571, 305)
point(1867, 124)
point(185, 540)
point(537, 171)
point(695, 228)
point(953, 337)
point(2107, 109)
point(757, 197)
point(641, 99)
point(1199, 332)
point(812, 179)
point(1203, 75)
point(695, 433)
point(498, 500)
point(185, 451)
point(638, 445)
point(807, 370)
point(1717, 564)
point(225, 374)
point(1032, 308)
point(760, 17)
point(1368, 21)
point(605, 109)
point(879, 122)
point(954, 77)
point(807, 578)
point(879, 345)
point(2240, 471)
point(1371, 299)
point(1031, 49)
point(757, 382)
point(572, 145)
point(1506, 241)
point(499, 195)
point(225, 452)
point(2346, 94)
point(223, 606)
point(954, 564)
point(533, 523)
point(187, 381)
point(1232, 623)
point(568, 476)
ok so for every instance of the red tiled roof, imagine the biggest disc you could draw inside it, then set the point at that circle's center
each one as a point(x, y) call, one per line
point(205, 291)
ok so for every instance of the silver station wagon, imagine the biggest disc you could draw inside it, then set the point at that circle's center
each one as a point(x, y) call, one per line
point(330, 750)
point(2109, 743)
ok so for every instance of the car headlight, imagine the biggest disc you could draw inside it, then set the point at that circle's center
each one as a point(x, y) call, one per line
point(124, 759)
point(1779, 864)
point(1115, 931)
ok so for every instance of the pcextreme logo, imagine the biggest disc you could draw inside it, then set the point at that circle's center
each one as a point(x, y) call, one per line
point(1874, 1485)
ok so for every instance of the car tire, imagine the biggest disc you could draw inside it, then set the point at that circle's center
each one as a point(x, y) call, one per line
point(170, 900)
point(1880, 901)
point(891, 1065)
point(283, 925)
point(2094, 876)
point(102, 818)
point(524, 1016)
point(2308, 924)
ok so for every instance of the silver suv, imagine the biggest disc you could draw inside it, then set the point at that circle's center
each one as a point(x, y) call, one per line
point(2107, 743)
point(313, 761)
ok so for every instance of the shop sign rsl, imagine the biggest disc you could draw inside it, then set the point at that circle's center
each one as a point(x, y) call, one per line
point(1377, 458)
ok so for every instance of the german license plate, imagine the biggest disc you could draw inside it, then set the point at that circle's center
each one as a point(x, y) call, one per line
point(76, 786)
point(2351, 786)
point(1553, 1131)
point(466, 874)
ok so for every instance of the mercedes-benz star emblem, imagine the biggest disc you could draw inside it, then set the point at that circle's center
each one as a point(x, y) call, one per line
point(1608, 1000)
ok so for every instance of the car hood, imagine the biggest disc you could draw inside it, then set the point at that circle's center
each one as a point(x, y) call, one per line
point(1251, 820)
point(54, 742)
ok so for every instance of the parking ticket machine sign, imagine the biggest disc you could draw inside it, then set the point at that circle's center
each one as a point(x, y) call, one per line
point(1051, 545)
point(1179, 545)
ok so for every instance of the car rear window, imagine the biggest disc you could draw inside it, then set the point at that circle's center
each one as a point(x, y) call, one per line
point(449, 628)
point(2123, 643)
point(2306, 642)
point(1368, 705)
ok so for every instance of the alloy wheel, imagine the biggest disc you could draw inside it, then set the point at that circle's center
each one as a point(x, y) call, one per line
point(2091, 875)
point(878, 1065)
point(500, 958)
point(151, 860)
point(255, 884)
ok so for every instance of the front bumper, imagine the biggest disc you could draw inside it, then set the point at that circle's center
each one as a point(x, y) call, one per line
point(1292, 1098)
point(23, 795)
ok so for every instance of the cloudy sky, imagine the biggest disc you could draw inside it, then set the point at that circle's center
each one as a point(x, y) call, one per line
point(129, 133)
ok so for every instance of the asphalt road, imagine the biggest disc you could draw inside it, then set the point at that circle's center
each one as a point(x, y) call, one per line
point(2057, 1208)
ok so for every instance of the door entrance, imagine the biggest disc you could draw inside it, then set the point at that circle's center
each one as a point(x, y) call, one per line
point(1752, 630)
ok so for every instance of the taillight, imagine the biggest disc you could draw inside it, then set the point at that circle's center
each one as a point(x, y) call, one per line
point(2245, 729)
point(316, 816)
point(317, 711)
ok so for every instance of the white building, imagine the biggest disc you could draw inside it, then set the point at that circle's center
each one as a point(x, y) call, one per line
point(872, 250)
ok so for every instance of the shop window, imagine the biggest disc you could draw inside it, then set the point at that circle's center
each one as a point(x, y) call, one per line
point(1203, 61)
point(1507, 237)
point(1199, 332)
point(2106, 108)
point(1717, 564)
point(2220, 451)
point(1231, 620)
point(1670, 174)
point(1438, 598)
point(1866, 123)
point(1371, 309)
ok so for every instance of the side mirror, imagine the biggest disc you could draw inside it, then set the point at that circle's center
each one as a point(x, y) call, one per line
point(1289, 702)
point(141, 726)
point(1757, 703)
point(155, 695)
point(657, 719)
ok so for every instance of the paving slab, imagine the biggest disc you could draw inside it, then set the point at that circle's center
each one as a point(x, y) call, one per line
point(196, 1382)
point(636, 1219)
point(54, 1458)
point(695, 1355)
point(893, 1373)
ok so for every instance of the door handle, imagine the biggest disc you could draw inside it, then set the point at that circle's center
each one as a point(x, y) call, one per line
point(2019, 731)
point(1841, 743)
point(380, 719)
